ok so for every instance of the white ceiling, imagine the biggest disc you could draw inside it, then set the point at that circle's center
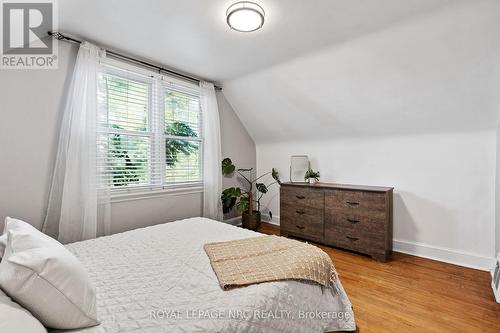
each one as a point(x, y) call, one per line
point(321, 68)
point(192, 36)
point(439, 72)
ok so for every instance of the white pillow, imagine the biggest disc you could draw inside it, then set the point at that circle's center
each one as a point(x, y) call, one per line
point(13, 318)
point(3, 244)
point(40, 274)
point(18, 225)
point(3, 239)
point(15, 225)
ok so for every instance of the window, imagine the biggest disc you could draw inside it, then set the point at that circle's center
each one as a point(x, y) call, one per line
point(150, 132)
point(182, 137)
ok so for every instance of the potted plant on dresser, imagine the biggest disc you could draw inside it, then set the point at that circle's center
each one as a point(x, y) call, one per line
point(311, 176)
point(246, 198)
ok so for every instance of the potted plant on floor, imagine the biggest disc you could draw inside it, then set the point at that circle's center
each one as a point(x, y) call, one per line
point(247, 197)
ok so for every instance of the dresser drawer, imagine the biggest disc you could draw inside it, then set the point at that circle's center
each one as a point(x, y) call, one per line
point(355, 240)
point(370, 223)
point(302, 197)
point(302, 221)
point(357, 202)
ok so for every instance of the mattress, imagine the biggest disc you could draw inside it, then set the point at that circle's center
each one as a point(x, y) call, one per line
point(159, 279)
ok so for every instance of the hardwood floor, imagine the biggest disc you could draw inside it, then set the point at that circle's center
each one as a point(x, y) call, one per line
point(412, 294)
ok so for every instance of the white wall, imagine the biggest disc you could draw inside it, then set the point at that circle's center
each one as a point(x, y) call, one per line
point(31, 108)
point(236, 142)
point(413, 105)
point(444, 186)
point(137, 213)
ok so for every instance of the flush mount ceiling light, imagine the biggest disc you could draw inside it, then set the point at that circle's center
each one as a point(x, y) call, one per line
point(245, 16)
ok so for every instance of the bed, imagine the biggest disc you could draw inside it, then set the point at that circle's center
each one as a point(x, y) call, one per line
point(159, 279)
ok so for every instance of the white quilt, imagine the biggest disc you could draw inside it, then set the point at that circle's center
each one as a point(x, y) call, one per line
point(159, 279)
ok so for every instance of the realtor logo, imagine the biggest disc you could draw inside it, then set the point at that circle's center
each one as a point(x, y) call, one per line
point(25, 42)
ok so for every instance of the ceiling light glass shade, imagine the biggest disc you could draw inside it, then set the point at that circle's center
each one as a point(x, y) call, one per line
point(245, 16)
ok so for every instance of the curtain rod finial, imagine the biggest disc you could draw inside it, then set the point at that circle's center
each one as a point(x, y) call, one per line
point(55, 34)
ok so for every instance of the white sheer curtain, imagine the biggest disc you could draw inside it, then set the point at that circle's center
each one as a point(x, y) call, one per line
point(79, 203)
point(212, 155)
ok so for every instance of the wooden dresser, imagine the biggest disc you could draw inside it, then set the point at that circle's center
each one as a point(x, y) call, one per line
point(352, 217)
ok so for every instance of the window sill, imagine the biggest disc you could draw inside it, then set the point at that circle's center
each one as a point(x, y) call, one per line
point(148, 193)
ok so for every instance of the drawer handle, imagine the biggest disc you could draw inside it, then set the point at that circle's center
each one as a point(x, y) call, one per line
point(353, 239)
point(300, 212)
point(300, 227)
point(352, 221)
point(352, 203)
point(300, 197)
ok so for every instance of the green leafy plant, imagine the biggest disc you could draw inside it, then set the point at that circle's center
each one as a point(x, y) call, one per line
point(133, 169)
point(253, 191)
point(227, 167)
point(174, 147)
point(136, 168)
point(311, 174)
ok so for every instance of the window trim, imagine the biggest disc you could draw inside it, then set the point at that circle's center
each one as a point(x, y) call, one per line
point(126, 70)
point(123, 195)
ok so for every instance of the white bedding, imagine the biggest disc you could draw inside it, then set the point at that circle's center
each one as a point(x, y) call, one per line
point(159, 279)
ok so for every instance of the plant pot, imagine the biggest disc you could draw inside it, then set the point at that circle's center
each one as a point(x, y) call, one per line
point(251, 222)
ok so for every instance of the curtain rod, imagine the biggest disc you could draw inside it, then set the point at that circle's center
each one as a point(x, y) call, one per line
point(59, 36)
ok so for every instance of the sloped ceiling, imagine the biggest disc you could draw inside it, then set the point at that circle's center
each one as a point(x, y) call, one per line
point(437, 72)
point(192, 35)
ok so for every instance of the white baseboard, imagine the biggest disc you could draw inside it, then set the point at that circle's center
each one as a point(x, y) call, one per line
point(237, 220)
point(451, 256)
point(233, 221)
point(275, 220)
point(447, 255)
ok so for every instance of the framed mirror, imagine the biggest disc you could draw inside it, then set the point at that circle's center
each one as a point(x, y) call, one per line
point(299, 164)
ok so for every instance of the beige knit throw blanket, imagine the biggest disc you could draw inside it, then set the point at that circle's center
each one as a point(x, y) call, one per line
point(269, 258)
